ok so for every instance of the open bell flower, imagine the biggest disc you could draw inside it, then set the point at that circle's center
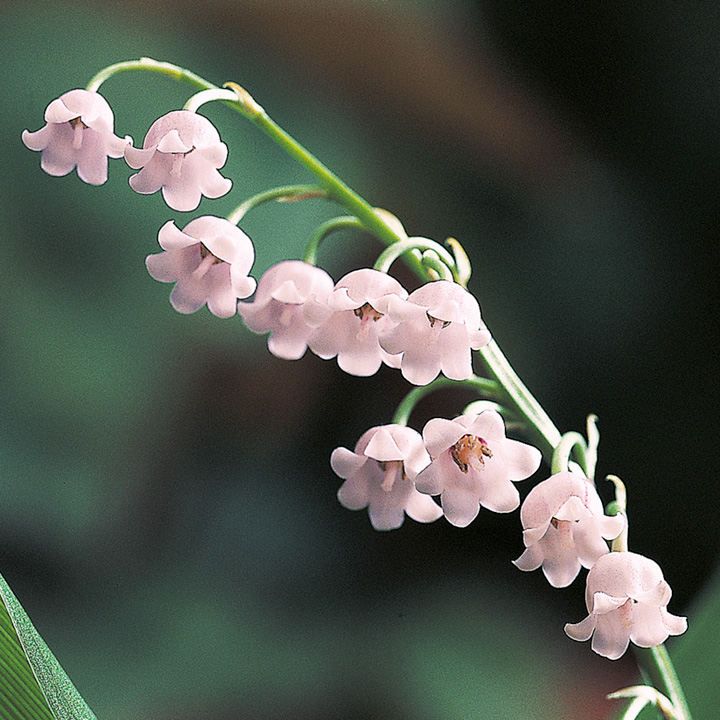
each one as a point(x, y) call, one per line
point(474, 464)
point(209, 260)
point(282, 292)
point(352, 318)
point(181, 155)
point(563, 527)
point(626, 597)
point(78, 132)
point(436, 328)
point(379, 475)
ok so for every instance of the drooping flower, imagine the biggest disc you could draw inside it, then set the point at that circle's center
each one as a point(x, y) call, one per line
point(626, 597)
point(563, 527)
point(209, 260)
point(437, 326)
point(278, 305)
point(78, 133)
point(379, 475)
point(181, 155)
point(349, 323)
point(474, 464)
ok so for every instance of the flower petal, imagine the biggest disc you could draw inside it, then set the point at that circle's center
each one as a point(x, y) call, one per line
point(346, 463)
point(353, 493)
point(611, 638)
point(531, 559)
point(460, 506)
point(422, 508)
point(581, 631)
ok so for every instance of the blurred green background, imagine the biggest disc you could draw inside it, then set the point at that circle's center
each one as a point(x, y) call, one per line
point(168, 514)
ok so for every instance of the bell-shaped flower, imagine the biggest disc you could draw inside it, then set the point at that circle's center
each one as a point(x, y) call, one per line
point(78, 133)
point(626, 597)
point(379, 475)
point(351, 320)
point(181, 155)
point(437, 327)
point(474, 464)
point(209, 261)
point(563, 527)
point(277, 307)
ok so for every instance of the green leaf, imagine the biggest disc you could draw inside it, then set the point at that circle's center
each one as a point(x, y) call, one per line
point(33, 686)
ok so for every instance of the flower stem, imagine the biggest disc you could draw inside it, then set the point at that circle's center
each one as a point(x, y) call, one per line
point(488, 388)
point(286, 193)
point(571, 442)
point(388, 256)
point(148, 64)
point(541, 426)
point(656, 664)
point(323, 230)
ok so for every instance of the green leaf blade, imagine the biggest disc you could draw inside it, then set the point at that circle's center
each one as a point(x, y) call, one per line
point(33, 685)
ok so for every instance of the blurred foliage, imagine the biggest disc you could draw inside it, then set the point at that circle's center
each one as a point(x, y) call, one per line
point(168, 516)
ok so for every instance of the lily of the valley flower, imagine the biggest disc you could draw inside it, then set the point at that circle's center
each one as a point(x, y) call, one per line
point(181, 155)
point(379, 475)
point(78, 133)
point(626, 597)
point(209, 260)
point(437, 327)
point(474, 464)
point(278, 305)
point(563, 527)
point(351, 320)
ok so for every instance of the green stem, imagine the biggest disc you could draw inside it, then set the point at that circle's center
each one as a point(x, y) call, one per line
point(323, 230)
point(148, 64)
point(655, 662)
point(546, 435)
point(488, 388)
point(336, 189)
point(569, 443)
point(289, 193)
point(388, 256)
point(437, 269)
point(593, 440)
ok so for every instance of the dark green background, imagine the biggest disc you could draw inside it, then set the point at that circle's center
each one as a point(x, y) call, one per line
point(167, 511)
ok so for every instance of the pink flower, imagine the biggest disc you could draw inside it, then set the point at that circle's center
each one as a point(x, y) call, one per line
point(626, 596)
point(474, 464)
point(181, 154)
point(78, 133)
point(438, 325)
point(209, 260)
point(563, 527)
point(278, 305)
point(351, 320)
point(379, 475)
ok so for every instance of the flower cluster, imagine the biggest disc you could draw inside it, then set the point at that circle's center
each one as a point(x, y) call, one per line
point(564, 529)
point(365, 320)
point(467, 463)
point(451, 459)
point(181, 153)
point(209, 260)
